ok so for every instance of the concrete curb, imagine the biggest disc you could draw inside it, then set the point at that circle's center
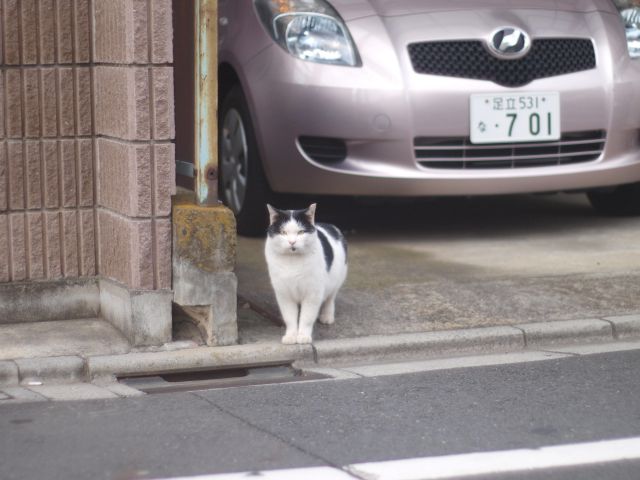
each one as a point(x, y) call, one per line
point(418, 345)
point(133, 364)
point(380, 348)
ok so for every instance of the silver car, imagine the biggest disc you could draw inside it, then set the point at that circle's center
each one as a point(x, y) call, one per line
point(428, 98)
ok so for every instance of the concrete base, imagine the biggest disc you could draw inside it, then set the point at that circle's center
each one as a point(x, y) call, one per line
point(56, 339)
point(204, 284)
point(48, 301)
point(144, 317)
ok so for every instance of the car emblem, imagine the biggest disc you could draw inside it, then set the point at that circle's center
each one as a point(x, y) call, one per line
point(509, 43)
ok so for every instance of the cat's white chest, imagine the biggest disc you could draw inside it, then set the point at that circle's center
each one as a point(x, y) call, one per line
point(297, 276)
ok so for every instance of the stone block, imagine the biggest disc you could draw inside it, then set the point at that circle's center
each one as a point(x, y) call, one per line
point(13, 85)
point(210, 301)
point(567, 331)
point(68, 172)
point(4, 247)
point(204, 243)
point(625, 326)
point(85, 177)
point(122, 102)
point(50, 300)
point(162, 32)
point(33, 174)
point(32, 102)
point(82, 47)
point(15, 152)
point(11, 32)
point(29, 32)
point(418, 345)
point(65, 30)
point(53, 233)
point(124, 181)
point(163, 106)
point(70, 243)
point(165, 177)
point(51, 174)
point(205, 237)
point(50, 102)
point(163, 252)
point(121, 31)
point(126, 250)
point(18, 241)
point(36, 245)
point(66, 105)
point(84, 99)
point(144, 317)
point(87, 243)
point(52, 369)
point(2, 100)
point(47, 28)
point(3, 173)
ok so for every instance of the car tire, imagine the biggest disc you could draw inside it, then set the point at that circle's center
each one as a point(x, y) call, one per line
point(242, 184)
point(621, 201)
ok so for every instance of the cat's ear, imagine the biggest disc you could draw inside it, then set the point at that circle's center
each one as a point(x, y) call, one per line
point(311, 213)
point(273, 214)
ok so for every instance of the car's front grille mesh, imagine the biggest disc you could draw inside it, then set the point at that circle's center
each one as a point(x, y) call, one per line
point(548, 57)
point(457, 153)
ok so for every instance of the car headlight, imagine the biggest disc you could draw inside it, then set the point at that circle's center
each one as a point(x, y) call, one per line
point(630, 13)
point(309, 29)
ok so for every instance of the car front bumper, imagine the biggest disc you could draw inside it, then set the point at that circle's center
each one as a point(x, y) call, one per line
point(379, 110)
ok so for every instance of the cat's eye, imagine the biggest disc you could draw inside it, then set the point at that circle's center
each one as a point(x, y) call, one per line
point(300, 232)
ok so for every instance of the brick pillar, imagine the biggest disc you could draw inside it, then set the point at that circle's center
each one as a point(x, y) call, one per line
point(47, 194)
point(134, 121)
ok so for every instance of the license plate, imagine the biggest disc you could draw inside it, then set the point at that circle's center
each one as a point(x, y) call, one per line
point(521, 117)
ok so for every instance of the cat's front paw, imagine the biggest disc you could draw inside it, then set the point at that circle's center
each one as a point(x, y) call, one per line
point(290, 339)
point(325, 320)
point(303, 338)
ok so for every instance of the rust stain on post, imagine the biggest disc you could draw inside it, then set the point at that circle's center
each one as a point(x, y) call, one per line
point(206, 93)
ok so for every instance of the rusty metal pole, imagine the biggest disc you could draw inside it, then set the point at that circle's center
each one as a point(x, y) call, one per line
point(206, 98)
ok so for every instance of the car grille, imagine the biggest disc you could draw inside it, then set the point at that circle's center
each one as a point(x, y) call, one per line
point(460, 153)
point(470, 59)
point(324, 150)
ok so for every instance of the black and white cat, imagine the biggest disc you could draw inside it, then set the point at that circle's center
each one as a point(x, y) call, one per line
point(307, 264)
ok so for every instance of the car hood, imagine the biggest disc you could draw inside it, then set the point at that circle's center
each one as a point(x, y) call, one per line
point(352, 9)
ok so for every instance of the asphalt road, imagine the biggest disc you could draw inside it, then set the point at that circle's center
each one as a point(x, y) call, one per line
point(334, 423)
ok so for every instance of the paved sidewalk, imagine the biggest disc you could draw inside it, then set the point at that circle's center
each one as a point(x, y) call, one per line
point(430, 280)
point(94, 377)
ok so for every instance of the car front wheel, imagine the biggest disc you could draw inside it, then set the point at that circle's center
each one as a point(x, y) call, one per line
point(620, 201)
point(242, 184)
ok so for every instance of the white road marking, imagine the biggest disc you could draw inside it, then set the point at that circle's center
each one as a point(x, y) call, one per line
point(459, 466)
point(315, 473)
point(491, 463)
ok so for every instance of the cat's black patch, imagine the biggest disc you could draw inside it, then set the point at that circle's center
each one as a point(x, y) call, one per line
point(302, 218)
point(335, 233)
point(275, 228)
point(284, 216)
point(326, 249)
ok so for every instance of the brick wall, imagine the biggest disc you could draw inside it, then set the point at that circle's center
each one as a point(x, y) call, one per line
point(47, 165)
point(86, 129)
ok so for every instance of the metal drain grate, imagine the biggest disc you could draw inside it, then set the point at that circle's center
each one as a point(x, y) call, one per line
point(193, 380)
